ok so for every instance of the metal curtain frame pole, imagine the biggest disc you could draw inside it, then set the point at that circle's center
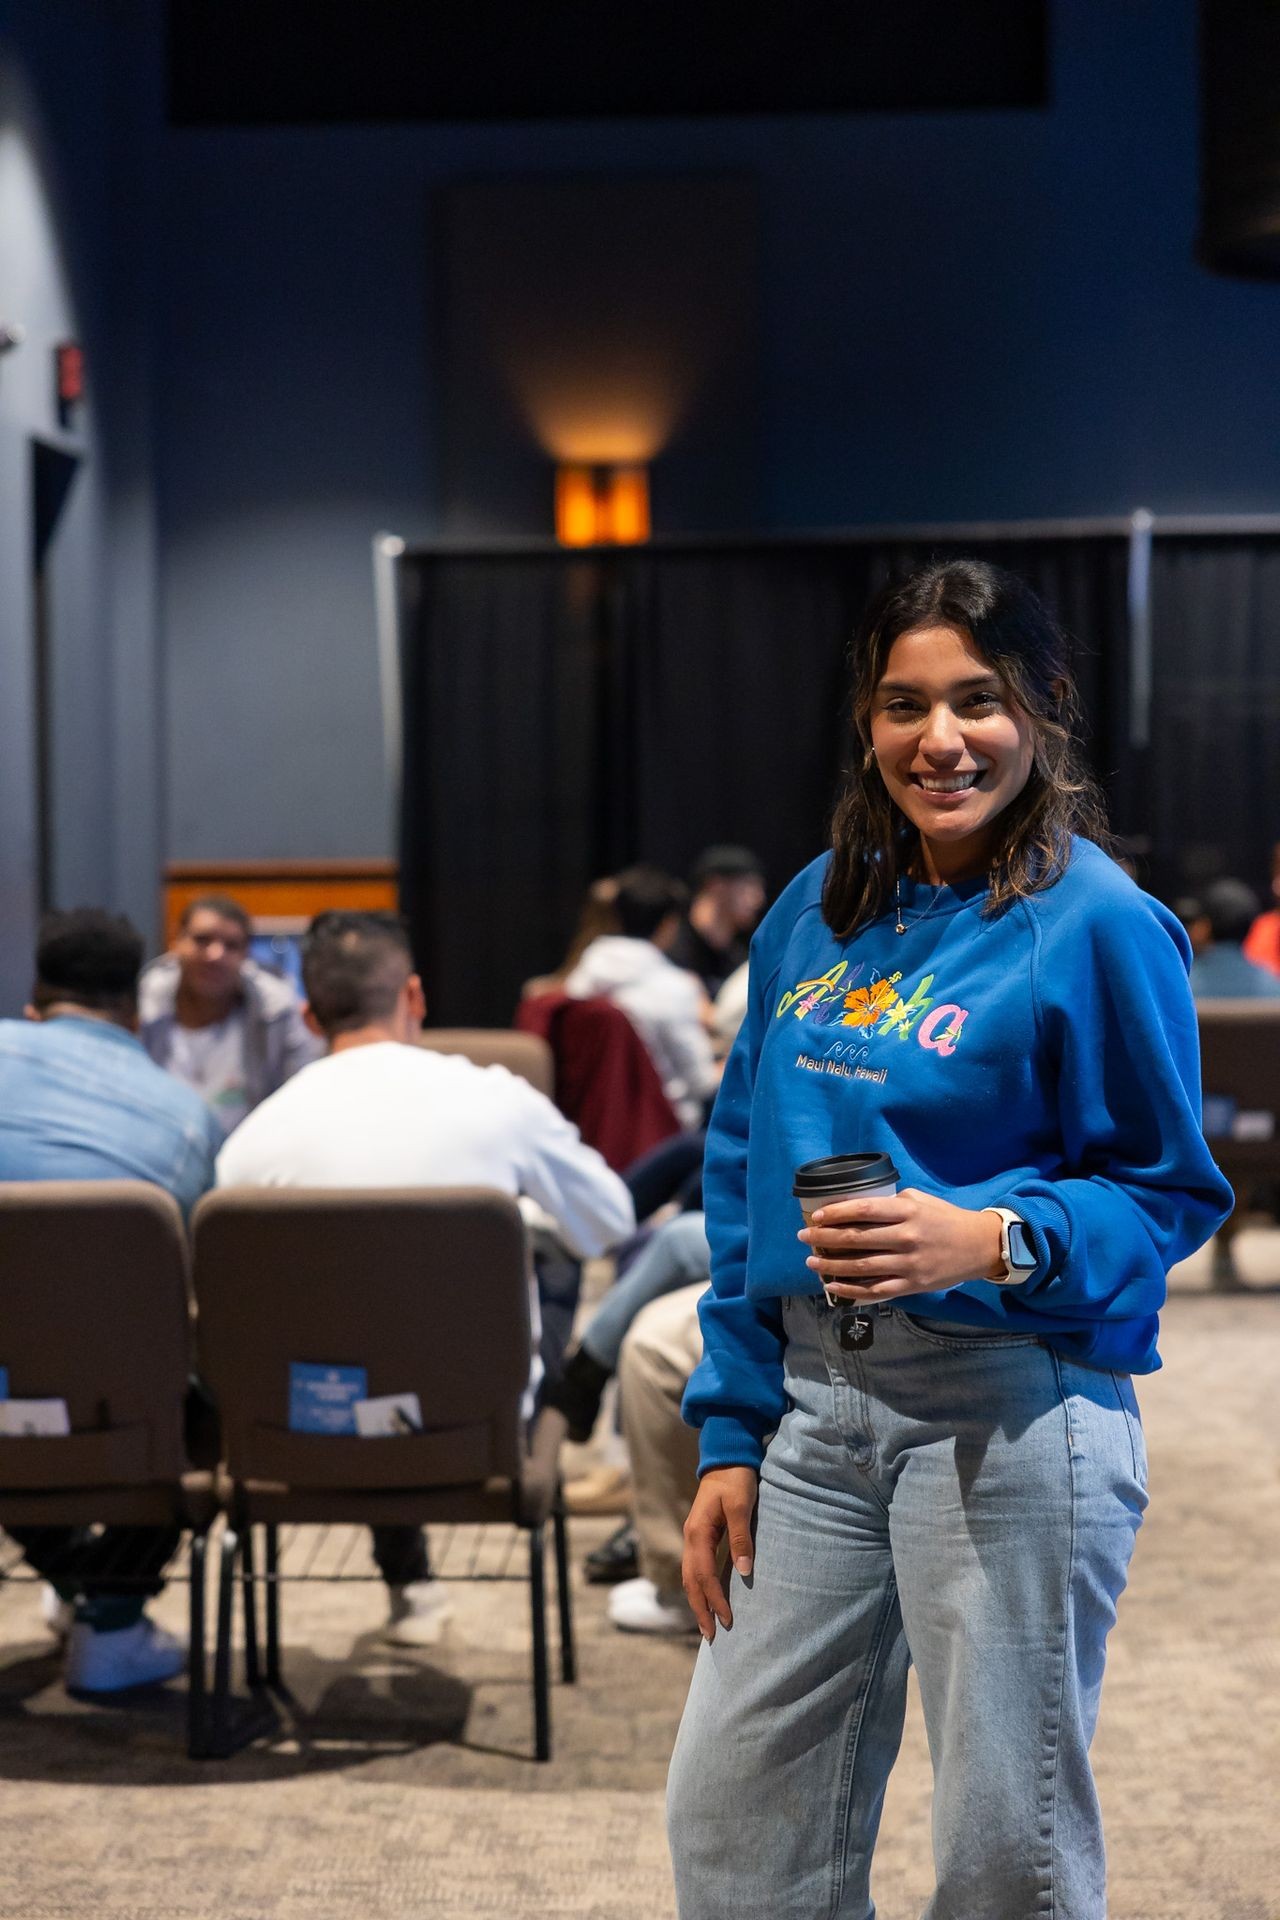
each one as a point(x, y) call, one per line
point(1141, 528)
point(387, 550)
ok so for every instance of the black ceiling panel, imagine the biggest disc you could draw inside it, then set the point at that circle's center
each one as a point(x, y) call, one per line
point(264, 62)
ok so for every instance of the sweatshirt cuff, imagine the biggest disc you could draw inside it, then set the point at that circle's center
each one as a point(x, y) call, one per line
point(729, 1440)
point(1040, 1217)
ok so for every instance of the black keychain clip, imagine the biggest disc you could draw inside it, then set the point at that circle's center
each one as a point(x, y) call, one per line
point(855, 1331)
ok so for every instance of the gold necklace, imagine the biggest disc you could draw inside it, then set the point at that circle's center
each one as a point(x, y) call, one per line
point(900, 924)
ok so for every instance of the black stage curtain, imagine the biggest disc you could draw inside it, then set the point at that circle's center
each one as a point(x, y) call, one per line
point(1211, 790)
point(566, 714)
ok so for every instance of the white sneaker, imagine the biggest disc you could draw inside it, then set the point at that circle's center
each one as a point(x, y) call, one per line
point(637, 1606)
point(417, 1614)
point(138, 1656)
point(59, 1615)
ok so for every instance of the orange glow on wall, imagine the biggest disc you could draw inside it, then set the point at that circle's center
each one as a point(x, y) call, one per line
point(575, 507)
point(601, 506)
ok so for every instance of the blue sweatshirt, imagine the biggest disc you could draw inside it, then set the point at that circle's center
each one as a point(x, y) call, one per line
point(1045, 1060)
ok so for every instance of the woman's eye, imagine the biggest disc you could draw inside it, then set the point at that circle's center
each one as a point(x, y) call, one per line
point(982, 701)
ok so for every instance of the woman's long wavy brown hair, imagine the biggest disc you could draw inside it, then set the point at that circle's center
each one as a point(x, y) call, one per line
point(872, 839)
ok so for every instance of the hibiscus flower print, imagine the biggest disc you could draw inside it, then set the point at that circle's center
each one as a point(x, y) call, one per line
point(865, 1005)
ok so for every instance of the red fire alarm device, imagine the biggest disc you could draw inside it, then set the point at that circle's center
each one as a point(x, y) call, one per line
point(68, 359)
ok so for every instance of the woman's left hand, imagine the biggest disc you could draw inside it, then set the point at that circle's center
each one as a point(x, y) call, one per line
point(909, 1242)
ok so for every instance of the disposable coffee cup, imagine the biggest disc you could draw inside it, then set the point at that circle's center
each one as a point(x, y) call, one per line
point(843, 1176)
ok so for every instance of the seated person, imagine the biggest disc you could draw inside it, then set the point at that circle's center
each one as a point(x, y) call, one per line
point(1221, 970)
point(676, 1255)
point(665, 1004)
point(596, 915)
point(381, 1111)
point(728, 899)
point(729, 1010)
point(79, 1100)
point(673, 1169)
point(660, 1352)
point(1262, 942)
point(216, 1020)
point(1189, 910)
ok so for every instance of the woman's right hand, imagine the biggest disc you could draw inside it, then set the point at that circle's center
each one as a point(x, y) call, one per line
point(725, 1503)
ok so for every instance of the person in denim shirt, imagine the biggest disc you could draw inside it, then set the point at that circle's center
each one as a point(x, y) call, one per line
point(80, 1100)
point(1222, 969)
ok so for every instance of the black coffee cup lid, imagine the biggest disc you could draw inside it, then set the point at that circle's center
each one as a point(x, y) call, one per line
point(843, 1173)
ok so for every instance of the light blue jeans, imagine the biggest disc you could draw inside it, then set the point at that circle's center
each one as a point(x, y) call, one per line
point(961, 1499)
point(676, 1256)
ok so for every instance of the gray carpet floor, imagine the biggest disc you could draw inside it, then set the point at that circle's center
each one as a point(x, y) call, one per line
point(401, 1786)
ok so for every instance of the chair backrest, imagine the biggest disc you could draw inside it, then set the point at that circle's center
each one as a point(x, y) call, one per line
point(521, 1053)
point(1240, 1051)
point(1240, 1059)
point(94, 1311)
point(425, 1289)
point(606, 1082)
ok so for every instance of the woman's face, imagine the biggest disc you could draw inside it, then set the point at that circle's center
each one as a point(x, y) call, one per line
point(952, 748)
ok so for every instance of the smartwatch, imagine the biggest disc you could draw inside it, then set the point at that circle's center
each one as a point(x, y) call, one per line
point(1015, 1249)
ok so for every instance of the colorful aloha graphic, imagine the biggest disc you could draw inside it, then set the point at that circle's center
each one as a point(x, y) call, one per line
point(839, 997)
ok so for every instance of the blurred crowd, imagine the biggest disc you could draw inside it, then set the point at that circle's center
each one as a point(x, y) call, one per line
point(205, 1067)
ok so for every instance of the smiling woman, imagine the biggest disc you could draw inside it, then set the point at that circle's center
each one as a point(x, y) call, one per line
point(919, 1431)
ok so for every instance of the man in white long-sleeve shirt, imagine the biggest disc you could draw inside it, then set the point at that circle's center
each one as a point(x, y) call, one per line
point(665, 1005)
point(381, 1111)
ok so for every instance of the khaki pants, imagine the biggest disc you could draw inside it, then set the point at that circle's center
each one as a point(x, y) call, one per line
point(661, 1350)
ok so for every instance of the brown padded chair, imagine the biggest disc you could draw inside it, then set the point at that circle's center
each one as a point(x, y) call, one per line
point(94, 1291)
point(1240, 1057)
point(521, 1053)
point(427, 1290)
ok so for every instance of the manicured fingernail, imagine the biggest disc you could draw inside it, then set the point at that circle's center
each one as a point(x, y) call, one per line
point(812, 1261)
point(818, 1215)
point(742, 1564)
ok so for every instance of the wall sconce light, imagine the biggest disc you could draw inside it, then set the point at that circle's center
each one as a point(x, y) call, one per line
point(602, 506)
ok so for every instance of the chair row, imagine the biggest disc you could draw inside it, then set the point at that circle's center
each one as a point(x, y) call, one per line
point(108, 1306)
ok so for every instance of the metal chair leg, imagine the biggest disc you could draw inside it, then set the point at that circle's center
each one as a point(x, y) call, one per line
point(568, 1654)
point(541, 1685)
point(248, 1589)
point(272, 1570)
point(220, 1744)
point(197, 1688)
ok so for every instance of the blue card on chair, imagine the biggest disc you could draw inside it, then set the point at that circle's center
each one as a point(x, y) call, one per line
point(4, 1383)
point(322, 1399)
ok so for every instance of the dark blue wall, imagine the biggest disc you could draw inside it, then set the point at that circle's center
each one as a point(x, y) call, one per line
point(75, 243)
point(964, 316)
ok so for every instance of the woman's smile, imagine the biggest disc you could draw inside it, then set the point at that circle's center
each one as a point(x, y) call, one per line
point(947, 786)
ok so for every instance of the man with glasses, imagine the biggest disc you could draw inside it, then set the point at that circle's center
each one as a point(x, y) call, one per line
point(218, 1021)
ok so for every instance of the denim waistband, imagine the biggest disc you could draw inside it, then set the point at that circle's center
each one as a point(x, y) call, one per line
point(819, 1305)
